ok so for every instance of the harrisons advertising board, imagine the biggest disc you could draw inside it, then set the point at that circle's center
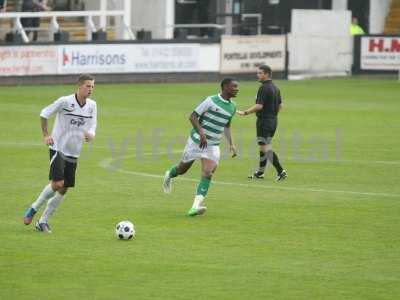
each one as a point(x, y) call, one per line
point(137, 58)
point(380, 53)
point(243, 54)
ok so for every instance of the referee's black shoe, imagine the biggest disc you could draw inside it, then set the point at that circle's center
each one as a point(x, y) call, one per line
point(257, 175)
point(281, 176)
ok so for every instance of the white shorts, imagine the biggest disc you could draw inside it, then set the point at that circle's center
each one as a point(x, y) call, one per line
point(192, 152)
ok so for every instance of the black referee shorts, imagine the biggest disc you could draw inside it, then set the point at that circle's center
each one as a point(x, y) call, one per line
point(266, 128)
point(62, 168)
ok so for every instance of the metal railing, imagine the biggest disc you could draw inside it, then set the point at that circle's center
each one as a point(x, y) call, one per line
point(207, 25)
point(54, 26)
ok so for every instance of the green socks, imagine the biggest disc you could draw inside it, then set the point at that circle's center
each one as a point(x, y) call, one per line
point(203, 186)
point(173, 172)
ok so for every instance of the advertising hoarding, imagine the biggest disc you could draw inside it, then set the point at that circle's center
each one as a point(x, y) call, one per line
point(28, 60)
point(243, 54)
point(380, 53)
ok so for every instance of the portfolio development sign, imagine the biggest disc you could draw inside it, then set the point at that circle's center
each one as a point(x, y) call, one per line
point(380, 53)
point(243, 54)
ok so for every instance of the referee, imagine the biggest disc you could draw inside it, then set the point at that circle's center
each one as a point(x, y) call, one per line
point(268, 104)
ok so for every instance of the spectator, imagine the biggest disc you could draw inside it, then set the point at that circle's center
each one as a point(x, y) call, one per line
point(18, 5)
point(3, 5)
point(62, 5)
point(355, 28)
point(33, 23)
point(3, 8)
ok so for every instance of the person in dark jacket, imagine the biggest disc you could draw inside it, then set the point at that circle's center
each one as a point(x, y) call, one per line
point(268, 105)
point(33, 23)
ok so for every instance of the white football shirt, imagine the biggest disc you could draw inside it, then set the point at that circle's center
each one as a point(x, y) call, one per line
point(72, 121)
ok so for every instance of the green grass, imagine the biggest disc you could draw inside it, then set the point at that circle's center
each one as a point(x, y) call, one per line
point(331, 231)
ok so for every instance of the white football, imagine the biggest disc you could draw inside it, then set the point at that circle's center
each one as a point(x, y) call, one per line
point(125, 230)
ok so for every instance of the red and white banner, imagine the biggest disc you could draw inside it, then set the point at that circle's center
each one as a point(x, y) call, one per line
point(380, 53)
point(28, 60)
point(243, 54)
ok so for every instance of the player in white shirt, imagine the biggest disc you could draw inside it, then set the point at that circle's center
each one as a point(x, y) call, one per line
point(75, 122)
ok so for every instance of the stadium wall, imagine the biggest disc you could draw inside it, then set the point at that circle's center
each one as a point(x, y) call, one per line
point(320, 43)
point(156, 16)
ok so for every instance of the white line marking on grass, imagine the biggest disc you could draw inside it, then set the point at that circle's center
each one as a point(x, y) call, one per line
point(308, 161)
point(346, 161)
point(22, 144)
point(107, 164)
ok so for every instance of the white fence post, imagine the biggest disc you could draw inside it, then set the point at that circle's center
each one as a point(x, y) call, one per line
point(103, 18)
point(53, 28)
point(90, 28)
point(20, 29)
point(126, 20)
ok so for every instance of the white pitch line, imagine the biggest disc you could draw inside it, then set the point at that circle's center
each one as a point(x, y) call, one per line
point(22, 144)
point(107, 164)
point(156, 153)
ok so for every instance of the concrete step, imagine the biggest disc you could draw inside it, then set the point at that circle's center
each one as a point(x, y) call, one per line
point(395, 4)
point(392, 31)
point(10, 5)
point(394, 12)
point(392, 21)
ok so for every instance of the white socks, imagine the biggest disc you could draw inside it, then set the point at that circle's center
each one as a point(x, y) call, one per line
point(47, 193)
point(198, 201)
point(51, 207)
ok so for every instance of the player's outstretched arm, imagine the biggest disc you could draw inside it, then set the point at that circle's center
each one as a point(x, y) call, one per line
point(88, 136)
point(194, 119)
point(229, 138)
point(91, 132)
point(45, 114)
point(255, 108)
point(48, 140)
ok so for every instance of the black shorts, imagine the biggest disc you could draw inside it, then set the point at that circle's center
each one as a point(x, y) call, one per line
point(266, 128)
point(62, 168)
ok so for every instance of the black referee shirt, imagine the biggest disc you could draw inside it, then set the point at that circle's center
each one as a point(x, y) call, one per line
point(269, 97)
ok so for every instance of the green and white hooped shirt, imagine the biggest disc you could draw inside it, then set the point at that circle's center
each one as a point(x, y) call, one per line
point(215, 113)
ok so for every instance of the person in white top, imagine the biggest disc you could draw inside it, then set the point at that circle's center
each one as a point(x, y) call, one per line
point(75, 122)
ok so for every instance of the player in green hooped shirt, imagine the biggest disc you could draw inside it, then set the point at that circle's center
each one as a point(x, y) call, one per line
point(209, 120)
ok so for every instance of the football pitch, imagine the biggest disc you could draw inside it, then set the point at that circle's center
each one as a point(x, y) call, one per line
point(330, 231)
